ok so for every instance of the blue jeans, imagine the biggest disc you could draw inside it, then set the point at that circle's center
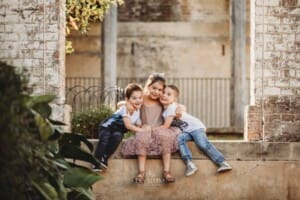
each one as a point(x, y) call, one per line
point(199, 137)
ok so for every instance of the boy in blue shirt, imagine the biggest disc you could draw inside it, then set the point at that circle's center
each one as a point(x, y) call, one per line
point(112, 129)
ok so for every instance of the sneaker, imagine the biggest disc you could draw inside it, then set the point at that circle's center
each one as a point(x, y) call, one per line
point(97, 168)
point(224, 166)
point(190, 168)
point(103, 163)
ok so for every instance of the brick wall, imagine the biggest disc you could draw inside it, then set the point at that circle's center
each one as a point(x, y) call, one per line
point(276, 71)
point(32, 36)
point(154, 10)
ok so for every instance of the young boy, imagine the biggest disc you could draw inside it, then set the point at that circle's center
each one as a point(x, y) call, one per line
point(112, 129)
point(192, 129)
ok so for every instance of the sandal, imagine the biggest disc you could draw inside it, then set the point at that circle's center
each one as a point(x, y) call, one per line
point(167, 177)
point(140, 178)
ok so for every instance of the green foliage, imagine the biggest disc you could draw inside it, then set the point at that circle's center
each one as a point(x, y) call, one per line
point(34, 148)
point(79, 13)
point(87, 122)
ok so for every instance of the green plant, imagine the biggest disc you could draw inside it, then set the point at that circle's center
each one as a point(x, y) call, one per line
point(37, 158)
point(79, 13)
point(86, 122)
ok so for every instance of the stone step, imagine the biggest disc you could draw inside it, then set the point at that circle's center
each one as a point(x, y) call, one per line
point(261, 170)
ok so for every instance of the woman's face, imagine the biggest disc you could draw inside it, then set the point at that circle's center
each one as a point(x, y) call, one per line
point(155, 90)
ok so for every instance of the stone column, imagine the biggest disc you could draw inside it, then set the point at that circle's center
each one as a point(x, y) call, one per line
point(238, 63)
point(109, 49)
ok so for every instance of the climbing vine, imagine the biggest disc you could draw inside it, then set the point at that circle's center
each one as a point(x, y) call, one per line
point(79, 14)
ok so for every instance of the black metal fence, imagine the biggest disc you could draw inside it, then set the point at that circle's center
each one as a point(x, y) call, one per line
point(85, 97)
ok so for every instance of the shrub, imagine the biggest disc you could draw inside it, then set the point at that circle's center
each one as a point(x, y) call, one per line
point(87, 122)
point(33, 147)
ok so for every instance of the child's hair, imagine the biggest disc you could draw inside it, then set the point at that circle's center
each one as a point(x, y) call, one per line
point(155, 77)
point(130, 88)
point(175, 88)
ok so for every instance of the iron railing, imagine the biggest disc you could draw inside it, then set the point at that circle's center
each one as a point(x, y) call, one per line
point(205, 98)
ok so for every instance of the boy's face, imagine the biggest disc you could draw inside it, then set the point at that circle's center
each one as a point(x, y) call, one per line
point(136, 99)
point(169, 96)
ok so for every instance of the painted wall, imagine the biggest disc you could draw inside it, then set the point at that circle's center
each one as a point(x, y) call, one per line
point(184, 38)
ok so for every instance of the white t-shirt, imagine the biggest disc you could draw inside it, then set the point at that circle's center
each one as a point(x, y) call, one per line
point(122, 112)
point(187, 123)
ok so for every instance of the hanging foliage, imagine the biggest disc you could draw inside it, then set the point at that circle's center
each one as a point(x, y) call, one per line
point(79, 14)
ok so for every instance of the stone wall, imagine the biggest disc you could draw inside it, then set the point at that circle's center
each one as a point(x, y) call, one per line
point(32, 35)
point(85, 61)
point(275, 115)
point(182, 38)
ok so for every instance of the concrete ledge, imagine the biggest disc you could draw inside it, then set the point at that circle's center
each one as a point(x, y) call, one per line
point(249, 180)
point(242, 150)
point(261, 171)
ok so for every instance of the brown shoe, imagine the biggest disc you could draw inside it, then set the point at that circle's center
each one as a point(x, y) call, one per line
point(167, 177)
point(140, 178)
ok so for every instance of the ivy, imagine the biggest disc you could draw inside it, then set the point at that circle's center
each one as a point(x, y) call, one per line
point(80, 13)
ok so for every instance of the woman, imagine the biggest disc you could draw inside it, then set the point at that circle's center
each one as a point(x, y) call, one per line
point(158, 141)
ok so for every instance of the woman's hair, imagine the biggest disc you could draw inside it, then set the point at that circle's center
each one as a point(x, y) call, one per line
point(155, 77)
point(132, 87)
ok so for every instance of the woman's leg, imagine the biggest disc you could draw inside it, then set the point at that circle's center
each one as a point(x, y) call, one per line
point(142, 162)
point(166, 158)
point(140, 178)
point(167, 176)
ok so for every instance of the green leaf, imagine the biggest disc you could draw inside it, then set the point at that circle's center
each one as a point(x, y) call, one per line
point(53, 146)
point(58, 123)
point(40, 99)
point(80, 177)
point(76, 139)
point(43, 109)
point(81, 194)
point(61, 163)
point(46, 190)
point(45, 128)
point(75, 152)
point(56, 134)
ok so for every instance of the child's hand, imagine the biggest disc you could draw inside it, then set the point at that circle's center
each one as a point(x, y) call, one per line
point(179, 110)
point(129, 107)
point(146, 127)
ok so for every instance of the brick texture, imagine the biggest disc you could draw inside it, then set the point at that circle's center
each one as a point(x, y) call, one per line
point(32, 36)
point(154, 10)
point(277, 65)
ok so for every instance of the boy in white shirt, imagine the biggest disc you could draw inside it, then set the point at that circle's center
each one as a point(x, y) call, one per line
point(112, 129)
point(192, 129)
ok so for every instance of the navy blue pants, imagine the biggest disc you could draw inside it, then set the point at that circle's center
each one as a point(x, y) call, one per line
point(109, 140)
